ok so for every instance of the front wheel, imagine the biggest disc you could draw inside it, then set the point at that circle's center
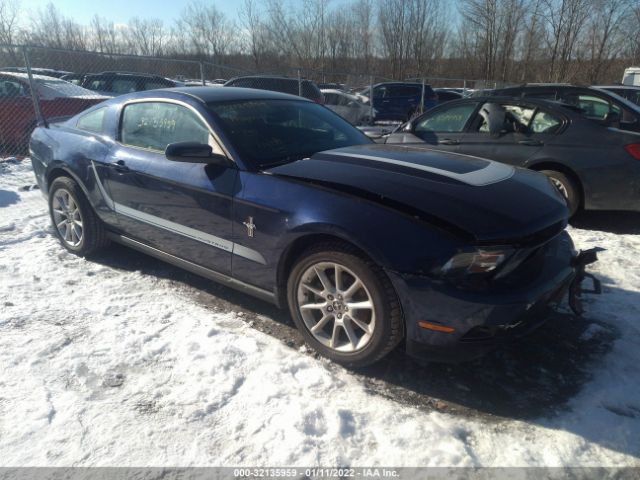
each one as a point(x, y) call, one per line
point(344, 305)
point(75, 223)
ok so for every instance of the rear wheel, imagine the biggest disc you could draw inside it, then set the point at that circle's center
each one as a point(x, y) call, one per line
point(566, 187)
point(75, 223)
point(344, 305)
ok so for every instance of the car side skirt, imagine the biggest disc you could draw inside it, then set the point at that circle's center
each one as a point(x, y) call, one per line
point(197, 269)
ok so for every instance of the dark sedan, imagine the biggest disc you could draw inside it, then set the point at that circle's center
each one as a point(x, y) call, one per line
point(598, 104)
point(279, 197)
point(594, 166)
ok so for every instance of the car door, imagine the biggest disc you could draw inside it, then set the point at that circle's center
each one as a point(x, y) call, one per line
point(521, 131)
point(444, 127)
point(183, 209)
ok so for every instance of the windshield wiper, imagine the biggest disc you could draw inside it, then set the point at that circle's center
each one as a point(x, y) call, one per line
point(288, 159)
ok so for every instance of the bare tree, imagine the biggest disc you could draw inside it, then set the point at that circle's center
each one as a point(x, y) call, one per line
point(564, 20)
point(50, 28)
point(256, 34)
point(145, 36)
point(9, 10)
point(105, 36)
point(210, 32)
point(602, 43)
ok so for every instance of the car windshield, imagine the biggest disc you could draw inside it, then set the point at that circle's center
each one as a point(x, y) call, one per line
point(271, 132)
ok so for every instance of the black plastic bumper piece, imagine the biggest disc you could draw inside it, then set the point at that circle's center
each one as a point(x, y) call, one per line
point(576, 289)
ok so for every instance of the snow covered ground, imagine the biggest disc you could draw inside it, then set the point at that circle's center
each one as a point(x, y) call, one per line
point(110, 362)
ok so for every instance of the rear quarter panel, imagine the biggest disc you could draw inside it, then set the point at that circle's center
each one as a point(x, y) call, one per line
point(609, 176)
point(64, 150)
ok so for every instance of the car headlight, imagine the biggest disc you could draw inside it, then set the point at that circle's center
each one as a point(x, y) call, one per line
point(476, 261)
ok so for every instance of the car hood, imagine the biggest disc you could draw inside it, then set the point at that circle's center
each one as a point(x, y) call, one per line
point(488, 201)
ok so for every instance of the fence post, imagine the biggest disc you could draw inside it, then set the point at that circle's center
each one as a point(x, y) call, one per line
point(204, 81)
point(299, 82)
point(371, 109)
point(32, 86)
point(422, 99)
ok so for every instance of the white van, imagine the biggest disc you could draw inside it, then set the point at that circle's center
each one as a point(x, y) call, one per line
point(631, 76)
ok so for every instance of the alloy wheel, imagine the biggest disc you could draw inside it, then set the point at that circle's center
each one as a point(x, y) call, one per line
point(67, 217)
point(336, 307)
point(560, 186)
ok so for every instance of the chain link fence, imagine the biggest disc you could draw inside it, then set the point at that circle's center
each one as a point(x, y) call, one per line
point(39, 85)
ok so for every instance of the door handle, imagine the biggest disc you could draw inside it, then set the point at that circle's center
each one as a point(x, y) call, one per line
point(531, 143)
point(120, 166)
point(448, 141)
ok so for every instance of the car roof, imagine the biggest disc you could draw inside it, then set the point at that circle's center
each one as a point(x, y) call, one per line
point(125, 74)
point(339, 92)
point(269, 77)
point(214, 94)
point(25, 76)
point(402, 83)
point(505, 98)
point(622, 87)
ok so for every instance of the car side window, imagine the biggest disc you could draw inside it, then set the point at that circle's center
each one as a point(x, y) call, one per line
point(544, 122)
point(452, 119)
point(155, 84)
point(98, 85)
point(154, 125)
point(122, 85)
point(92, 121)
point(11, 88)
point(516, 118)
point(592, 106)
point(330, 99)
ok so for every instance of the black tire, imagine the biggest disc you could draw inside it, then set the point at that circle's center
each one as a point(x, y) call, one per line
point(567, 188)
point(388, 328)
point(93, 234)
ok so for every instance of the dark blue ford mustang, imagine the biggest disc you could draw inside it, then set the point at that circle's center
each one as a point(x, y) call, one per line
point(275, 195)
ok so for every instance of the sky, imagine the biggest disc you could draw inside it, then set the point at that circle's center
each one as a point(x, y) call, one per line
point(120, 11)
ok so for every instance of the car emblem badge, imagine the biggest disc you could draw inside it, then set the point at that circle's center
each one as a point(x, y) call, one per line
point(251, 228)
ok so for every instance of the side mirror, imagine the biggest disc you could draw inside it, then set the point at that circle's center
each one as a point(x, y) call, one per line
point(193, 152)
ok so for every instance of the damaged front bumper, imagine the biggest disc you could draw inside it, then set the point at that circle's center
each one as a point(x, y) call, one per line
point(479, 321)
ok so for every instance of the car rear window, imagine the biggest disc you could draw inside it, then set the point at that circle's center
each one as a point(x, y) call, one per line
point(92, 121)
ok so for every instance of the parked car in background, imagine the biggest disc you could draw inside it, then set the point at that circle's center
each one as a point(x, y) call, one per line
point(631, 76)
point(348, 106)
point(48, 72)
point(75, 78)
point(331, 86)
point(597, 104)
point(118, 83)
point(399, 101)
point(631, 93)
point(447, 94)
point(17, 115)
point(593, 167)
point(275, 195)
point(304, 88)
